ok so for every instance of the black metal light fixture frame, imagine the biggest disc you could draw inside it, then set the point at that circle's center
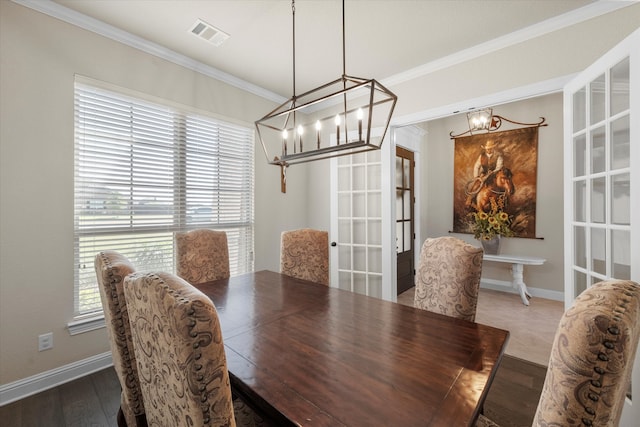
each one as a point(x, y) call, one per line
point(332, 120)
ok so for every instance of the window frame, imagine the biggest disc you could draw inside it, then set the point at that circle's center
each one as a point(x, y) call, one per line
point(218, 195)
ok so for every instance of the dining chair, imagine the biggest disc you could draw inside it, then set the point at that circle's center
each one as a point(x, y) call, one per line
point(591, 358)
point(111, 269)
point(202, 255)
point(180, 353)
point(304, 254)
point(448, 277)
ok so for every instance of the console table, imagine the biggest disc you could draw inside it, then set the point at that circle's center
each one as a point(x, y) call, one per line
point(517, 267)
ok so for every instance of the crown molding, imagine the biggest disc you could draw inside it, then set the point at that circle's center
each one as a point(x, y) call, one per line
point(593, 10)
point(72, 17)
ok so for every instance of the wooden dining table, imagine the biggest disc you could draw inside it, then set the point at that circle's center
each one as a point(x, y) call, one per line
point(306, 354)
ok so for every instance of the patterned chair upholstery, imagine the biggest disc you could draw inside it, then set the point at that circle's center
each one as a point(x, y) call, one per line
point(448, 277)
point(304, 254)
point(202, 255)
point(180, 353)
point(111, 269)
point(591, 358)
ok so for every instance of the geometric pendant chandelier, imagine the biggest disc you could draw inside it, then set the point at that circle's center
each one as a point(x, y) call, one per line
point(332, 120)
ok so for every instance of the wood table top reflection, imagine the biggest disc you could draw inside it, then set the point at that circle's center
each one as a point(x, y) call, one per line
point(310, 355)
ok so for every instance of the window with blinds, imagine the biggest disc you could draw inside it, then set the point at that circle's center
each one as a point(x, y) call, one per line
point(144, 171)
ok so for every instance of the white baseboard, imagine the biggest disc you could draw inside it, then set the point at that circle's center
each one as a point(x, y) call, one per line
point(43, 381)
point(505, 286)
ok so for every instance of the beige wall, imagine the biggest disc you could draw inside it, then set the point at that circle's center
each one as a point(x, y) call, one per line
point(39, 57)
point(437, 196)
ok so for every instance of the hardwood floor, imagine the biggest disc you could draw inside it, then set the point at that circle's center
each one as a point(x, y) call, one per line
point(88, 401)
point(514, 394)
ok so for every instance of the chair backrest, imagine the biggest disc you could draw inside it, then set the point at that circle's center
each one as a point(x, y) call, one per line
point(202, 255)
point(448, 277)
point(180, 352)
point(591, 358)
point(111, 269)
point(304, 254)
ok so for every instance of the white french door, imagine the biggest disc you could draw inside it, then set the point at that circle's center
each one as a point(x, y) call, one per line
point(602, 179)
point(362, 259)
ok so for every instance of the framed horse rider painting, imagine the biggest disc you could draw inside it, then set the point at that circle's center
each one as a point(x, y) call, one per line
point(496, 172)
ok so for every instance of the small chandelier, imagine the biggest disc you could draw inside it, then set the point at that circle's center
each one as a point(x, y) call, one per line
point(483, 120)
point(332, 120)
point(480, 119)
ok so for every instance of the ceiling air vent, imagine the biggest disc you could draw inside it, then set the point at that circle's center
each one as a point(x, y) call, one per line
point(209, 33)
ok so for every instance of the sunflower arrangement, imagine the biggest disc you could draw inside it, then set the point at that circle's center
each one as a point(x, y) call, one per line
point(488, 225)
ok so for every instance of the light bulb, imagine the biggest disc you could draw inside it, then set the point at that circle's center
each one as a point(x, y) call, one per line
point(318, 126)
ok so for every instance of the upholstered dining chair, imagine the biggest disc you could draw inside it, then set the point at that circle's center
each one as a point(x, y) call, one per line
point(111, 268)
point(304, 254)
point(202, 255)
point(448, 277)
point(180, 353)
point(591, 358)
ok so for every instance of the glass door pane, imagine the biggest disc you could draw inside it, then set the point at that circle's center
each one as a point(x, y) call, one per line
point(405, 254)
point(620, 143)
point(580, 155)
point(598, 140)
point(597, 99)
point(621, 199)
point(579, 109)
point(619, 87)
point(620, 250)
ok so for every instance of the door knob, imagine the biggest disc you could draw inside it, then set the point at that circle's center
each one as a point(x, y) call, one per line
point(334, 244)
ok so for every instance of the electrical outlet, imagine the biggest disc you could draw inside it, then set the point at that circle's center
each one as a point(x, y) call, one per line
point(45, 341)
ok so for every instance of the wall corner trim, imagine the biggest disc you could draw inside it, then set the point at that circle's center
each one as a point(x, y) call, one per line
point(25, 387)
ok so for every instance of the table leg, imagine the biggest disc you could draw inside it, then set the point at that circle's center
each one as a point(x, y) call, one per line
point(518, 282)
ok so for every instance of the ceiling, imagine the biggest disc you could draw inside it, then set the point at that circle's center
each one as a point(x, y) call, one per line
point(385, 39)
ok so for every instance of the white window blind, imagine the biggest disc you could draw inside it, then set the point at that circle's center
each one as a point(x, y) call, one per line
point(144, 171)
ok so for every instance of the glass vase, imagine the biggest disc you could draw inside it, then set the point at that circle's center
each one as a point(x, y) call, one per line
point(492, 246)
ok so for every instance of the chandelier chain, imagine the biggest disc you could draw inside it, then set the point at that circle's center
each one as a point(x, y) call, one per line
point(344, 56)
point(293, 14)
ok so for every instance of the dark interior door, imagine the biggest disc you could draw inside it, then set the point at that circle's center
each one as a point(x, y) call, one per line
point(405, 234)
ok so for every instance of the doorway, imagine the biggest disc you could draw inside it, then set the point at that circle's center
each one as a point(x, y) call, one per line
point(405, 223)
